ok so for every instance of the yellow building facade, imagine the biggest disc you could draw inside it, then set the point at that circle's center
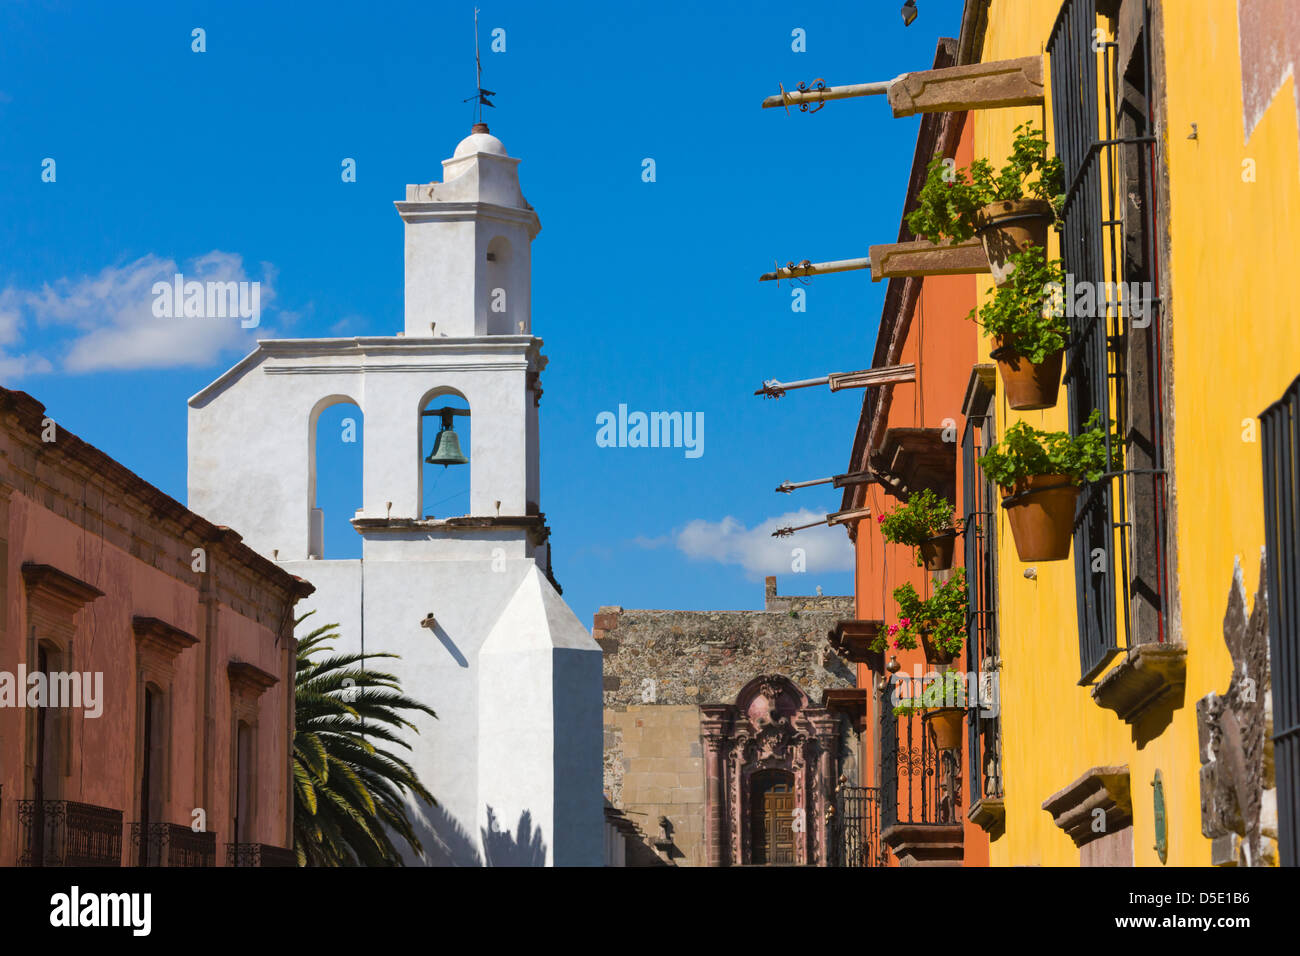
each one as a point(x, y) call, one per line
point(1224, 187)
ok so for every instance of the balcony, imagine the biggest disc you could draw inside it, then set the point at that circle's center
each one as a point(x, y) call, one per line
point(170, 844)
point(259, 854)
point(920, 793)
point(67, 833)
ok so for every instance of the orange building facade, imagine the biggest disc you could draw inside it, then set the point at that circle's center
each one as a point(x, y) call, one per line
point(909, 438)
point(146, 668)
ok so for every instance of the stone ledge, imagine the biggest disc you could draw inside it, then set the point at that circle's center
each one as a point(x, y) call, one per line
point(1149, 676)
point(925, 844)
point(1104, 788)
point(973, 86)
point(990, 815)
point(922, 258)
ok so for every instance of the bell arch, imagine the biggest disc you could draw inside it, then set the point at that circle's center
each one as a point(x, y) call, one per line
point(344, 457)
point(444, 490)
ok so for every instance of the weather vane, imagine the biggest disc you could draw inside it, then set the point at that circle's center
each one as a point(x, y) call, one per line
point(482, 97)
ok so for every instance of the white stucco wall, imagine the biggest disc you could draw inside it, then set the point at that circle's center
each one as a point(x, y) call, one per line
point(513, 675)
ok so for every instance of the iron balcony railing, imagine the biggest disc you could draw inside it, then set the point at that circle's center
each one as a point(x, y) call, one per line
point(67, 833)
point(170, 844)
point(259, 854)
point(855, 828)
point(919, 784)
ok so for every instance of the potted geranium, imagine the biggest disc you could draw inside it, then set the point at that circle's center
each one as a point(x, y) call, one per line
point(937, 623)
point(1009, 210)
point(942, 704)
point(1029, 329)
point(925, 522)
point(1040, 474)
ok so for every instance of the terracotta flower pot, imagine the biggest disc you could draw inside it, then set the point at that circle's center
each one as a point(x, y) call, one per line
point(937, 551)
point(1028, 386)
point(933, 653)
point(945, 723)
point(1041, 513)
point(1010, 226)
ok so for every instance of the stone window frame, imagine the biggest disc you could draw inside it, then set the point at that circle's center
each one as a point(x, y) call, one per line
point(53, 600)
point(247, 685)
point(158, 645)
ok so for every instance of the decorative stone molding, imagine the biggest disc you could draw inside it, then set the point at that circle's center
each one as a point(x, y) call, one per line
point(925, 844)
point(913, 459)
point(849, 701)
point(923, 258)
point(770, 727)
point(1101, 788)
point(248, 681)
point(158, 640)
point(53, 599)
point(977, 86)
point(1150, 677)
point(1235, 739)
point(990, 815)
point(852, 641)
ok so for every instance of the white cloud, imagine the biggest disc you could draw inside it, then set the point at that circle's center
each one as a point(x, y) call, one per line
point(728, 541)
point(106, 321)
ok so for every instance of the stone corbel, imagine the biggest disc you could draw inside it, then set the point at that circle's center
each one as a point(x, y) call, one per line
point(924, 258)
point(977, 86)
point(1101, 788)
point(1150, 676)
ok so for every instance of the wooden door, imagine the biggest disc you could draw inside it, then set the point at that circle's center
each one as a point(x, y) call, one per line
point(772, 819)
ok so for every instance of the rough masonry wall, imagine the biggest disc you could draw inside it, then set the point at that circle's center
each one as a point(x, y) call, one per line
point(659, 666)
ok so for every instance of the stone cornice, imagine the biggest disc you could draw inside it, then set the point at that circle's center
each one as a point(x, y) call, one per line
point(59, 586)
point(366, 347)
point(249, 680)
point(1149, 677)
point(126, 494)
point(154, 635)
point(1101, 788)
point(434, 210)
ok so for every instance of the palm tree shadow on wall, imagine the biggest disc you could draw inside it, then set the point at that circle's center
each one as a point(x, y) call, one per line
point(445, 841)
point(525, 848)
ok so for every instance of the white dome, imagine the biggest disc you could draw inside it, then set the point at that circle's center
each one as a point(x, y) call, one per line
point(477, 142)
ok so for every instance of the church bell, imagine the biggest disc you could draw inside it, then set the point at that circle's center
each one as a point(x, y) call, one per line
point(446, 449)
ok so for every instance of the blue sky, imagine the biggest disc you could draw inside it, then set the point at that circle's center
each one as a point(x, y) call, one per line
point(227, 163)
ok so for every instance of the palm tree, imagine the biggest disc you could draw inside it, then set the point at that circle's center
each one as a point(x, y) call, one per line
point(349, 795)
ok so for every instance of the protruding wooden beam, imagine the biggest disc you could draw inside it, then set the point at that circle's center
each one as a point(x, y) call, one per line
point(977, 86)
point(924, 258)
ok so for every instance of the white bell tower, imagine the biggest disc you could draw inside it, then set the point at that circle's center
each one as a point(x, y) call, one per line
point(467, 600)
point(468, 245)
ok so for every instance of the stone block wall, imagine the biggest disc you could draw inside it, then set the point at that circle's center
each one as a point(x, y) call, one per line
point(661, 665)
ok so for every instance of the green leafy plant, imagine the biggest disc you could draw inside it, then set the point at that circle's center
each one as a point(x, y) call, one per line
point(1025, 451)
point(351, 798)
point(950, 198)
point(949, 690)
point(1026, 311)
point(942, 615)
point(925, 516)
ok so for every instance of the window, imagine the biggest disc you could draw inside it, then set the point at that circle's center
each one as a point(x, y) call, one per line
point(243, 783)
point(1280, 434)
point(979, 496)
point(1115, 358)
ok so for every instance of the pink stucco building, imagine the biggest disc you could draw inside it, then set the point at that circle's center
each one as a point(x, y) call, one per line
point(162, 650)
